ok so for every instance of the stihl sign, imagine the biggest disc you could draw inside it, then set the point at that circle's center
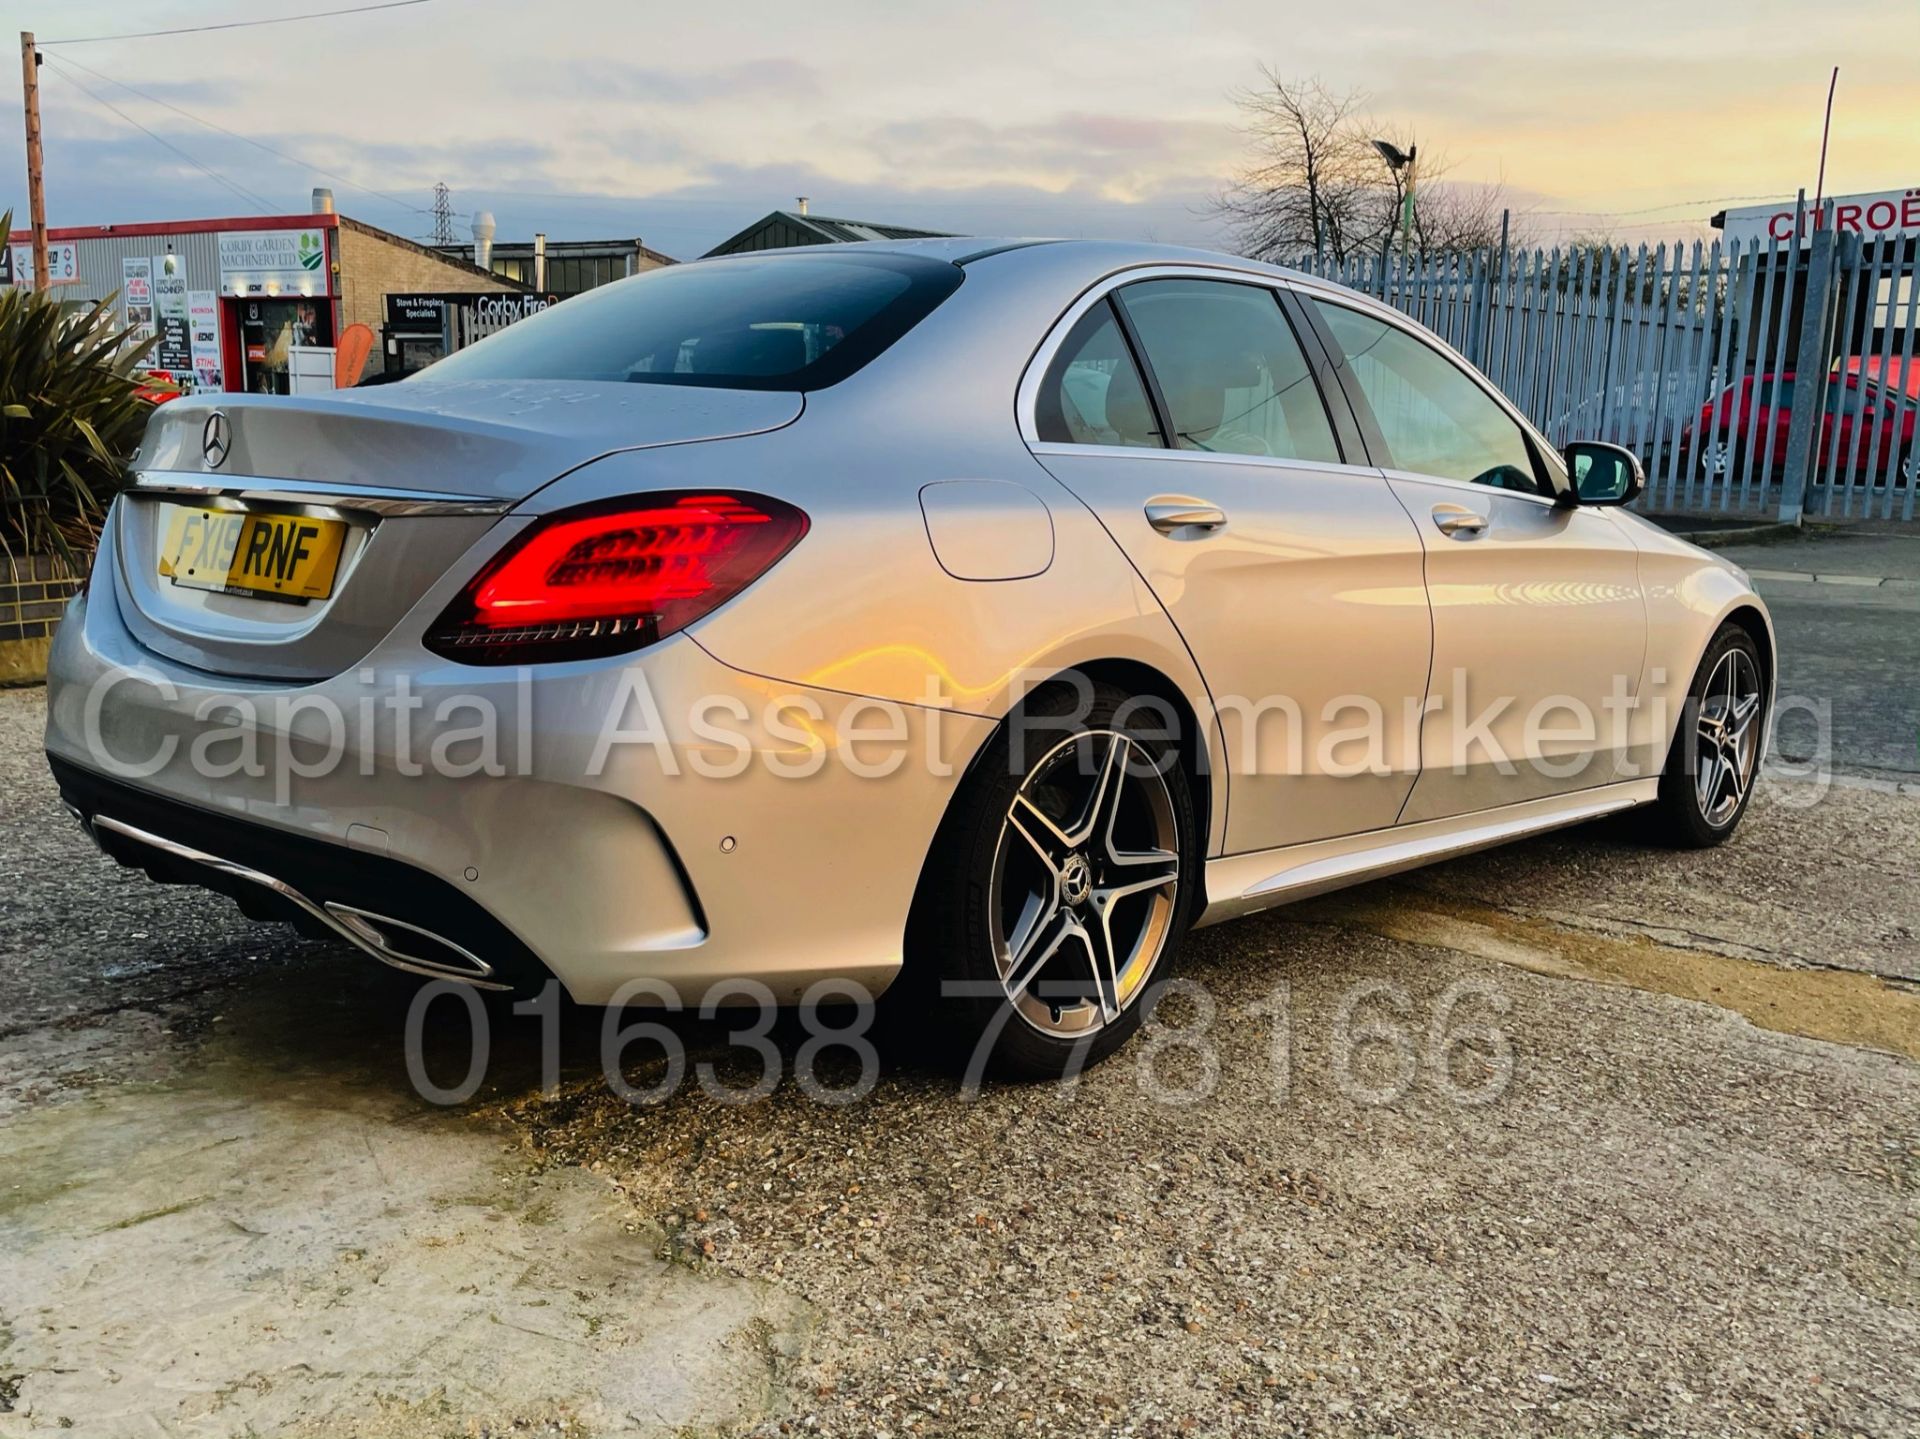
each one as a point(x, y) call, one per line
point(1887, 215)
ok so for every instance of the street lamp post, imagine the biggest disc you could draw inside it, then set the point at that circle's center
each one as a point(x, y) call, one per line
point(1397, 161)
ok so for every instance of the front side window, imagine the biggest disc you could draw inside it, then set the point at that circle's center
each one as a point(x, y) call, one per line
point(776, 322)
point(1093, 393)
point(1233, 375)
point(1434, 418)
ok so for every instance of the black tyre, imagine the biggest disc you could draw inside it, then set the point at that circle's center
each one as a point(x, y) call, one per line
point(1715, 757)
point(1063, 879)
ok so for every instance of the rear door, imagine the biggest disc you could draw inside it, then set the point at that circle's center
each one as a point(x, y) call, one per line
point(1539, 626)
point(1183, 410)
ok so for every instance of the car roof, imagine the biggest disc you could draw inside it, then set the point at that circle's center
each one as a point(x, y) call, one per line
point(955, 249)
point(1097, 256)
point(1890, 373)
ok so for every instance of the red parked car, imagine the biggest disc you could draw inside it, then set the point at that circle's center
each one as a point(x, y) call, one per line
point(1735, 424)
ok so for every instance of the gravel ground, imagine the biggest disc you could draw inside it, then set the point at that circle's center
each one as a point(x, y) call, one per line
point(1668, 1221)
point(1586, 1174)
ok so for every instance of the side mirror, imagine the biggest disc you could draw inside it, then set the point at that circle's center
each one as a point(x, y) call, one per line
point(1604, 474)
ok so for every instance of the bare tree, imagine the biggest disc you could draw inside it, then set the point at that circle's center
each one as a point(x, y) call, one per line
point(1459, 218)
point(1307, 186)
point(1588, 258)
point(1315, 184)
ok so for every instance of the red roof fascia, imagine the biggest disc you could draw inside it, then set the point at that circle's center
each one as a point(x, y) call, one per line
point(191, 227)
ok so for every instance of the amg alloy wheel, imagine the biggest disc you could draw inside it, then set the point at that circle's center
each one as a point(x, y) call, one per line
point(1084, 883)
point(1060, 885)
point(1727, 737)
point(1715, 756)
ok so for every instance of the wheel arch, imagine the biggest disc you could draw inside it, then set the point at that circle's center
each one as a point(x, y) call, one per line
point(1198, 740)
point(1194, 739)
point(1750, 619)
point(1755, 624)
point(1197, 748)
point(1197, 743)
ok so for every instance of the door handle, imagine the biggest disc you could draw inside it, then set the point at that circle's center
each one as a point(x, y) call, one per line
point(1169, 515)
point(1457, 523)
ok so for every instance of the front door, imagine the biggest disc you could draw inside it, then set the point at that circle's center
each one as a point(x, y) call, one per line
point(1184, 413)
point(1539, 626)
point(269, 329)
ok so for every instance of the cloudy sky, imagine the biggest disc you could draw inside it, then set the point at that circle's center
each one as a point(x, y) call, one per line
point(679, 123)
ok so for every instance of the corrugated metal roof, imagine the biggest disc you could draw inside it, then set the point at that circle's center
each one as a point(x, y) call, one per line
point(100, 256)
point(867, 229)
point(101, 248)
point(557, 249)
point(782, 228)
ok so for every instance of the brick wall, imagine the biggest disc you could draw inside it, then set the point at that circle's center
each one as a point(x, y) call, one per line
point(374, 264)
point(34, 591)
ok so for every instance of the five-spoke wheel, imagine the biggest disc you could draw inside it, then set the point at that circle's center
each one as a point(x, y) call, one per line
point(1060, 884)
point(1727, 735)
point(1084, 884)
point(1715, 757)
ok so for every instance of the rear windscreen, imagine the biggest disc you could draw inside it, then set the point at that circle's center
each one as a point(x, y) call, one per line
point(778, 322)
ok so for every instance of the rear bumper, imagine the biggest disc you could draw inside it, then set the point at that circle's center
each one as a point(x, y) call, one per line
point(647, 866)
point(393, 911)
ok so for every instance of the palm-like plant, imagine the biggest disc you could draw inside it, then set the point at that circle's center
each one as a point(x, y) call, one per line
point(69, 418)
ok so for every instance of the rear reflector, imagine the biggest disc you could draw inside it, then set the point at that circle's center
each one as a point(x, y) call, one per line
point(612, 577)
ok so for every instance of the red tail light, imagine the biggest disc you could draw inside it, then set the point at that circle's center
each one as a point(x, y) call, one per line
point(613, 577)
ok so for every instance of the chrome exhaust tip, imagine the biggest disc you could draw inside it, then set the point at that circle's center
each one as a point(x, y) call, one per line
point(393, 942)
point(411, 947)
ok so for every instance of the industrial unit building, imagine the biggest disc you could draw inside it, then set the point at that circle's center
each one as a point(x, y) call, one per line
point(784, 228)
point(232, 299)
point(564, 267)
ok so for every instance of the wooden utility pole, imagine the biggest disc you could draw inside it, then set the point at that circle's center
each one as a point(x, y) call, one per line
point(36, 181)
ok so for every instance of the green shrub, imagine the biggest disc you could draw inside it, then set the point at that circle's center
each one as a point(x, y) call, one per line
point(69, 418)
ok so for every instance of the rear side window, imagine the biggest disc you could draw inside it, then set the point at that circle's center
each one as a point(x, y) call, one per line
point(1093, 393)
point(777, 322)
point(1233, 375)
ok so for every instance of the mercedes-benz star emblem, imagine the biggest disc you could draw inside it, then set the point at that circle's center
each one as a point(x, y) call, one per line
point(1076, 880)
point(215, 438)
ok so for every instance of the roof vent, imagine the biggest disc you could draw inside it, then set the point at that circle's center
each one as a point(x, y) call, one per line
point(322, 201)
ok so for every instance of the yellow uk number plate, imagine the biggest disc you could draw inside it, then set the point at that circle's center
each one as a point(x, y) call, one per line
point(274, 557)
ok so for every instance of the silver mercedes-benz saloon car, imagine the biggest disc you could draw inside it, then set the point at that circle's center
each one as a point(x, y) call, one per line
point(979, 615)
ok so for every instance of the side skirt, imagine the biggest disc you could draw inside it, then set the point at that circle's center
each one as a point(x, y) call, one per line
point(1244, 883)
